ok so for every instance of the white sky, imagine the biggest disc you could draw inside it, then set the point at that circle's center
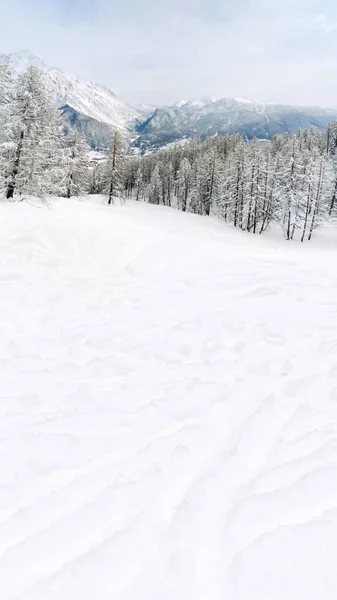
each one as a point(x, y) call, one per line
point(161, 51)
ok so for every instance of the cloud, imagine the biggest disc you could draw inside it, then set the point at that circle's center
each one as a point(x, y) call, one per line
point(159, 51)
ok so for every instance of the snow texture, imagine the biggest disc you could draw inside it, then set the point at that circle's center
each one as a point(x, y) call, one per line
point(168, 408)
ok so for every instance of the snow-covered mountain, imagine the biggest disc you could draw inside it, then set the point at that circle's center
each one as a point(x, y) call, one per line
point(90, 99)
point(90, 108)
point(196, 103)
point(94, 110)
point(203, 117)
point(179, 104)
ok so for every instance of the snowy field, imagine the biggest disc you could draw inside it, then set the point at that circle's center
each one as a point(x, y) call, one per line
point(168, 408)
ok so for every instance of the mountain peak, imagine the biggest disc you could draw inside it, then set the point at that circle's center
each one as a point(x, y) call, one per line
point(199, 102)
point(180, 103)
point(89, 99)
point(23, 59)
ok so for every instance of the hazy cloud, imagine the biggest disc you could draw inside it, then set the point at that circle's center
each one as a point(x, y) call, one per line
point(159, 51)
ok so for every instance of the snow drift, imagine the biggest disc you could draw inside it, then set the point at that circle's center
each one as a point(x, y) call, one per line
point(168, 408)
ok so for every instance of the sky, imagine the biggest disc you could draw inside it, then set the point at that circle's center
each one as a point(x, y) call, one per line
point(162, 51)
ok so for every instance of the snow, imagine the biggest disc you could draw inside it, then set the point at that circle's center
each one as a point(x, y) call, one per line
point(86, 97)
point(180, 103)
point(168, 408)
point(95, 156)
point(198, 102)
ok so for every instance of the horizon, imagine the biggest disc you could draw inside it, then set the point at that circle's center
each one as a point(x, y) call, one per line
point(256, 50)
point(177, 103)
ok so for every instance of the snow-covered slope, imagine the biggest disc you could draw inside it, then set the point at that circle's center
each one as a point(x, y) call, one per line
point(85, 97)
point(203, 117)
point(168, 408)
point(196, 103)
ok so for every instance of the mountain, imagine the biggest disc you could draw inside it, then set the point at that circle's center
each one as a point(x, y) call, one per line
point(94, 111)
point(97, 133)
point(199, 118)
point(92, 107)
point(179, 104)
point(165, 125)
point(196, 103)
point(145, 109)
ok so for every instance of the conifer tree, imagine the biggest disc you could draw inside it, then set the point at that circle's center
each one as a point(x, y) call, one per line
point(155, 188)
point(76, 178)
point(34, 137)
point(114, 168)
point(7, 91)
point(184, 183)
point(290, 182)
point(6, 82)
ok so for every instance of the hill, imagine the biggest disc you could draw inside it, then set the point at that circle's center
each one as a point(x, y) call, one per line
point(91, 108)
point(199, 119)
point(168, 400)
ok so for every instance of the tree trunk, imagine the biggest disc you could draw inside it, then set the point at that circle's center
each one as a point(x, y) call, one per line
point(333, 199)
point(250, 205)
point(306, 215)
point(320, 181)
point(12, 183)
point(110, 193)
point(184, 205)
point(69, 186)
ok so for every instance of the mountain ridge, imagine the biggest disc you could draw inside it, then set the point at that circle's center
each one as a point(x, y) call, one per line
point(92, 109)
point(89, 98)
point(95, 111)
point(199, 119)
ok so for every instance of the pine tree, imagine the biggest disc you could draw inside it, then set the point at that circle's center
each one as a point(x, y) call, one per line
point(114, 168)
point(76, 180)
point(292, 187)
point(226, 195)
point(155, 188)
point(34, 137)
point(184, 183)
point(7, 92)
point(139, 184)
point(291, 181)
point(6, 82)
point(324, 176)
point(270, 198)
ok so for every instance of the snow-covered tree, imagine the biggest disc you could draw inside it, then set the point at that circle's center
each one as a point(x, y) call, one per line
point(323, 180)
point(34, 138)
point(290, 182)
point(6, 82)
point(76, 179)
point(184, 183)
point(115, 167)
point(155, 187)
point(139, 183)
point(167, 178)
point(7, 91)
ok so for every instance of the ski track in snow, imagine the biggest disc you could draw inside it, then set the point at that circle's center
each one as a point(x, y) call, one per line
point(168, 408)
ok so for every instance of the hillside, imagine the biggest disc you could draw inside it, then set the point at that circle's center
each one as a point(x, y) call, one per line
point(201, 118)
point(168, 400)
point(94, 109)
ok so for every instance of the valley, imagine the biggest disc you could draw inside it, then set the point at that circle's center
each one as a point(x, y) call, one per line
point(95, 111)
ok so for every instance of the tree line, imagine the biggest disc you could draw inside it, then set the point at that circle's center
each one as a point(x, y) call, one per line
point(291, 180)
point(36, 157)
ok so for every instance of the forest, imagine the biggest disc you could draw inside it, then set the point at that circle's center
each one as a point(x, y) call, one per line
point(290, 181)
